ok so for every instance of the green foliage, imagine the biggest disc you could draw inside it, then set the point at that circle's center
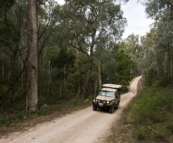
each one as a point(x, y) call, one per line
point(155, 8)
point(85, 27)
point(7, 120)
point(21, 116)
point(151, 115)
point(6, 3)
point(19, 96)
point(4, 33)
point(64, 58)
point(132, 47)
point(3, 90)
point(151, 77)
point(124, 65)
point(164, 81)
point(158, 42)
point(76, 79)
point(108, 67)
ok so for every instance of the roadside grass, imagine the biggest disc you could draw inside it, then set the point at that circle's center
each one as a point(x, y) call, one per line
point(148, 118)
point(152, 116)
point(6, 120)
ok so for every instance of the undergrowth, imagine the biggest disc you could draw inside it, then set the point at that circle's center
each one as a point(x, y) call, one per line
point(152, 116)
point(20, 116)
point(147, 118)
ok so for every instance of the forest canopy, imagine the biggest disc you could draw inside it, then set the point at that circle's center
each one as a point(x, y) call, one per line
point(79, 47)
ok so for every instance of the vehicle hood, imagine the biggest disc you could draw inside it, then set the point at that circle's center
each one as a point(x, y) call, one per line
point(104, 98)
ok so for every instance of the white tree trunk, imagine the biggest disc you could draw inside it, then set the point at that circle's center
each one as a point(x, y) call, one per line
point(32, 63)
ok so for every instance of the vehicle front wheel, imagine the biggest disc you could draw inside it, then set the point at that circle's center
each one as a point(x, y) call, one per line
point(111, 109)
point(94, 108)
point(117, 106)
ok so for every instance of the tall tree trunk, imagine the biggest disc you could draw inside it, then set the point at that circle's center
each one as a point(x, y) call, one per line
point(171, 62)
point(49, 78)
point(171, 68)
point(99, 74)
point(88, 77)
point(32, 65)
point(21, 80)
point(166, 63)
point(80, 83)
point(3, 66)
point(90, 64)
point(10, 75)
point(40, 75)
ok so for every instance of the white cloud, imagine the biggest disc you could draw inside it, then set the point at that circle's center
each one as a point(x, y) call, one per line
point(137, 20)
point(61, 2)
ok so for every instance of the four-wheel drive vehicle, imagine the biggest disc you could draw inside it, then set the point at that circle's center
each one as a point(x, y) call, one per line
point(108, 98)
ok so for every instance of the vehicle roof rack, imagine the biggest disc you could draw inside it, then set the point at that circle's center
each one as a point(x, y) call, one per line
point(115, 86)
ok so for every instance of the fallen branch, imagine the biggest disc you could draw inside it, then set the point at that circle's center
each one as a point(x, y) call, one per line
point(153, 130)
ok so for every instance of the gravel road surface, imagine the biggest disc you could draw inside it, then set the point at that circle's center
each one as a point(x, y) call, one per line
point(83, 126)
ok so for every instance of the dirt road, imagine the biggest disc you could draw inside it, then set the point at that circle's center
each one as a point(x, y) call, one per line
point(84, 126)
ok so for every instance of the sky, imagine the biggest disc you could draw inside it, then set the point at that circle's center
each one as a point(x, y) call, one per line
point(137, 21)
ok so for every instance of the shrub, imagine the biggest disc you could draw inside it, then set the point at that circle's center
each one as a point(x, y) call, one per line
point(152, 116)
point(164, 81)
point(151, 77)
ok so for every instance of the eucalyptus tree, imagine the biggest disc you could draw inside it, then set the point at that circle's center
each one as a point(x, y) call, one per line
point(13, 42)
point(162, 11)
point(109, 71)
point(155, 9)
point(84, 22)
point(32, 62)
point(123, 67)
point(132, 46)
point(46, 25)
point(148, 53)
point(164, 47)
point(35, 33)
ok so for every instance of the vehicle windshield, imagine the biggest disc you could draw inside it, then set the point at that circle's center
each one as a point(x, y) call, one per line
point(106, 93)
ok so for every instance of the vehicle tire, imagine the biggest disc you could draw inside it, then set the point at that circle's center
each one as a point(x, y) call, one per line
point(117, 106)
point(94, 108)
point(111, 109)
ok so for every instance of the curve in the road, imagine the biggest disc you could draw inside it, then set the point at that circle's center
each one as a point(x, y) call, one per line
point(84, 126)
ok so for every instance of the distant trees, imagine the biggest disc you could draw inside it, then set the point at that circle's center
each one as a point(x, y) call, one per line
point(132, 47)
point(124, 66)
point(153, 53)
point(163, 44)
